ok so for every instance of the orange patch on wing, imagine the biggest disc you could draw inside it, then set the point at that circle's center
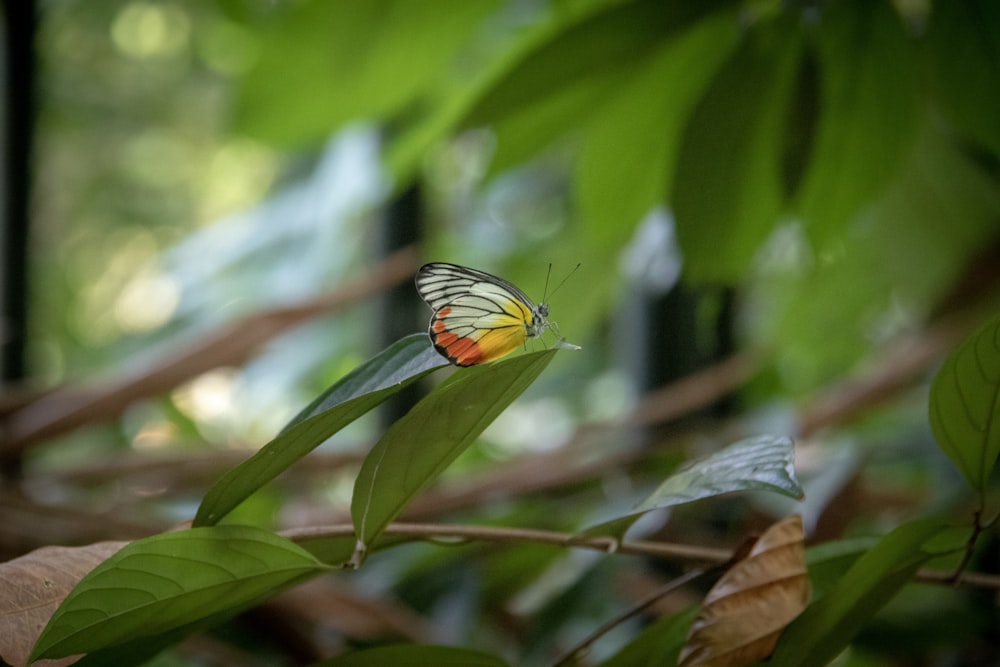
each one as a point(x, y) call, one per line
point(439, 326)
point(445, 339)
point(461, 351)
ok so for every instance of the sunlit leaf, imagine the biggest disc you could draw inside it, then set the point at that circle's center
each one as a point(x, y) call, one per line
point(965, 405)
point(727, 192)
point(828, 625)
point(551, 85)
point(414, 655)
point(167, 581)
point(396, 367)
point(866, 121)
point(419, 446)
point(626, 165)
point(745, 612)
point(322, 64)
point(611, 38)
point(33, 586)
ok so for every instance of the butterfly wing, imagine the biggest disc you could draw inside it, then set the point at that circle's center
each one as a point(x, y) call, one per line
point(478, 317)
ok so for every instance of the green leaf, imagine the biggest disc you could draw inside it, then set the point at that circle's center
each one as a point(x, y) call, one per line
point(414, 655)
point(322, 64)
point(728, 191)
point(396, 367)
point(627, 162)
point(827, 562)
point(941, 202)
point(965, 405)
point(763, 463)
point(963, 44)
point(418, 447)
point(867, 117)
point(140, 651)
point(611, 39)
point(659, 643)
point(828, 625)
point(160, 583)
point(549, 85)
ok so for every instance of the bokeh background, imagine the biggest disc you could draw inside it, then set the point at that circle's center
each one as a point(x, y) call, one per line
point(785, 214)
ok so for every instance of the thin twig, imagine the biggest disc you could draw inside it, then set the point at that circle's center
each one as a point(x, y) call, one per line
point(636, 609)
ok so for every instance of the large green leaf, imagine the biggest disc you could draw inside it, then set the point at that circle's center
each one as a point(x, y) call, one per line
point(728, 191)
point(164, 582)
point(965, 405)
point(867, 114)
point(414, 655)
point(612, 38)
point(418, 447)
point(763, 463)
point(324, 63)
point(941, 203)
point(963, 43)
point(626, 165)
point(554, 82)
point(399, 365)
point(828, 625)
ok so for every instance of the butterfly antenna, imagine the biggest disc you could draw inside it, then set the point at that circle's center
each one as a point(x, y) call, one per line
point(545, 291)
point(561, 282)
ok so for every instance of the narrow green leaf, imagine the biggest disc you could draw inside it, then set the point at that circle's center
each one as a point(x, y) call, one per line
point(963, 44)
point(418, 447)
point(627, 162)
point(414, 655)
point(828, 625)
point(550, 85)
point(827, 562)
point(763, 463)
point(396, 367)
point(728, 191)
point(868, 113)
point(160, 583)
point(659, 643)
point(611, 38)
point(965, 405)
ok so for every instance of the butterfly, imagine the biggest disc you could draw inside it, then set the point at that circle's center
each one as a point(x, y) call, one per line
point(478, 317)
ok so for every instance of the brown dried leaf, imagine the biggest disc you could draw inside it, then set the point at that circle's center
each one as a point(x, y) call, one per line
point(32, 586)
point(745, 612)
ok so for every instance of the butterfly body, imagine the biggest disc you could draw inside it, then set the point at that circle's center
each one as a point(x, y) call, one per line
point(478, 317)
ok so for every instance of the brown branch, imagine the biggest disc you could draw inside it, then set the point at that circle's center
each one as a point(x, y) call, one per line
point(694, 391)
point(686, 552)
point(906, 362)
point(71, 407)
